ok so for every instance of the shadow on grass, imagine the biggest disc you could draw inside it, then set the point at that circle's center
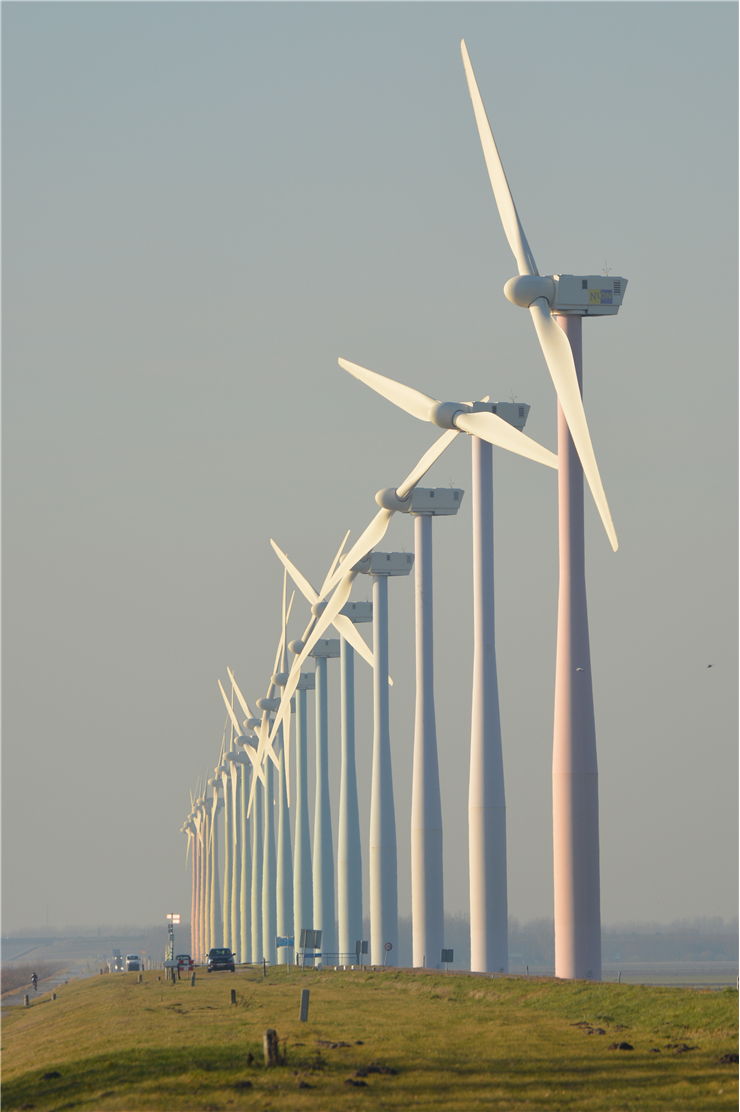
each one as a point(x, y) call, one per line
point(168, 1078)
point(75, 1083)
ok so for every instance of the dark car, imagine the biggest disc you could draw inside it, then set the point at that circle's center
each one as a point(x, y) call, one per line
point(220, 957)
point(184, 961)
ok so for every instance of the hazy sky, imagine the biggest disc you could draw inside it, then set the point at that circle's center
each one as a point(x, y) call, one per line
point(205, 205)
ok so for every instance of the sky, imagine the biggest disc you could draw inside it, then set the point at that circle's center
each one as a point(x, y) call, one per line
point(204, 206)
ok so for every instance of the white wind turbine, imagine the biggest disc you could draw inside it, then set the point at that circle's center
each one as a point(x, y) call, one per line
point(223, 773)
point(349, 855)
point(276, 865)
point(323, 649)
point(427, 881)
point(190, 830)
point(215, 926)
point(557, 304)
point(498, 424)
point(242, 754)
point(198, 930)
point(251, 917)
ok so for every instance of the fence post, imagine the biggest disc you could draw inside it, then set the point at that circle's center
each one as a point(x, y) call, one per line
point(270, 1046)
point(305, 993)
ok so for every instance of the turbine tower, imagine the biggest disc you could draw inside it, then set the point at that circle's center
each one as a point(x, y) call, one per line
point(349, 844)
point(324, 911)
point(427, 881)
point(382, 846)
point(557, 304)
point(302, 871)
point(249, 892)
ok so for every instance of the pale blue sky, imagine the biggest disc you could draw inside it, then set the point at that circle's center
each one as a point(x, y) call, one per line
point(205, 205)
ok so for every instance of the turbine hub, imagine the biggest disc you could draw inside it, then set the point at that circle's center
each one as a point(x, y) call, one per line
point(280, 679)
point(296, 646)
point(444, 414)
point(318, 609)
point(527, 288)
point(388, 499)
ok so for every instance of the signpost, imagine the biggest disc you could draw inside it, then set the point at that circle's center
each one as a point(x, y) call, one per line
point(310, 940)
point(173, 918)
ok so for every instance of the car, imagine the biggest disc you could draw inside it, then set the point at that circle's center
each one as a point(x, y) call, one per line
point(184, 961)
point(115, 965)
point(133, 963)
point(220, 957)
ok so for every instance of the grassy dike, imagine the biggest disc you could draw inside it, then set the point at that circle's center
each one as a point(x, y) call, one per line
point(384, 1040)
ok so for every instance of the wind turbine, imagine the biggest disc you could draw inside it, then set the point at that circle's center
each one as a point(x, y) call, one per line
point(249, 912)
point(498, 424)
point(349, 855)
point(557, 304)
point(189, 829)
point(276, 868)
point(214, 916)
point(223, 774)
point(302, 869)
point(242, 753)
point(198, 815)
point(322, 650)
point(427, 881)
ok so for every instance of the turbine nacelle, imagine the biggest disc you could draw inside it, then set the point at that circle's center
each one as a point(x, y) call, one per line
point(268, 704)
point(578, 295)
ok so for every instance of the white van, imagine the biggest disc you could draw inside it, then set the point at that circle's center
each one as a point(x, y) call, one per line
point(133, 963)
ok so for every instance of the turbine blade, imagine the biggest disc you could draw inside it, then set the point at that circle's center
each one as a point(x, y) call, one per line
point(430, 456)
point(502, 194)
point(334, 563)
point(300, 580)
point(229, 709)
point(347, 629)
point(491, 427)
point(405, 397)
point(367, 540)
point(559, 358)
point(325, 619)
point(237, 691)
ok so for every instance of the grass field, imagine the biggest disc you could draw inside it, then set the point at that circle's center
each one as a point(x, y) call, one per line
point(385, 1040)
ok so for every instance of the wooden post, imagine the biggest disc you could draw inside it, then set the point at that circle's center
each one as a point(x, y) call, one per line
point(305, 993)
point(140, 978)
point(53, 996)
point(233, 996)
point(192, 978)
point(26, 1001)
point(270, 1045)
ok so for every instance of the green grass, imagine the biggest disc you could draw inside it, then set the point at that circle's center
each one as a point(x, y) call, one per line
point(453, 1042)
